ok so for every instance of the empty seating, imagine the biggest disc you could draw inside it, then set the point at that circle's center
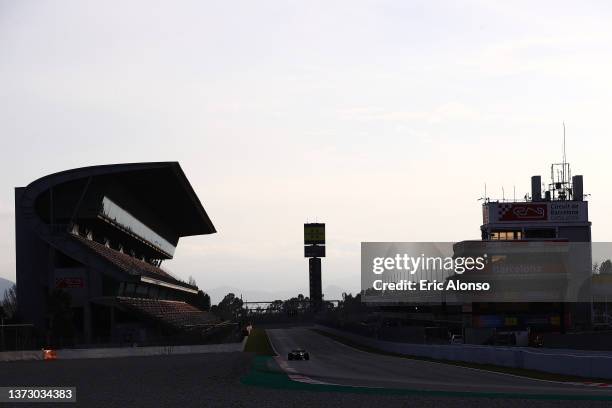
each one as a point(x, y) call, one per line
point(179, 315)
point(126, 263)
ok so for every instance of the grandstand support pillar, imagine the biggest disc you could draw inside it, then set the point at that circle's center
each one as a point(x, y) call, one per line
point(111, 327)
point(87, 322)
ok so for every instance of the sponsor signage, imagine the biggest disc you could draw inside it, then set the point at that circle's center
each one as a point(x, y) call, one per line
point(559, 211)
point(568, 211)
point(522, 212)
point(66, 283)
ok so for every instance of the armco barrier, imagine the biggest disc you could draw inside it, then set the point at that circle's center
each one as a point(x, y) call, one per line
point(579, 363)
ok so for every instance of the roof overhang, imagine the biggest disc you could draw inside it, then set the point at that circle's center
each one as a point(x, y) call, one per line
point(162, 185)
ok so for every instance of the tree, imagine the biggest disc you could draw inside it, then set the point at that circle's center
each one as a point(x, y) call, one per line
point(230, 308)
point(9, 303)
point(606, 267)
point(295, 305)
point(275, 306)
point(201, 300)
point(192, 281)
point(351, 307)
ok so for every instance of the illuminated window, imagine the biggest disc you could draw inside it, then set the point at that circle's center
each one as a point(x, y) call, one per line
point(506, 235)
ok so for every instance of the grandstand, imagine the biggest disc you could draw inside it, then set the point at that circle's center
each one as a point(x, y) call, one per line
point(90, 243)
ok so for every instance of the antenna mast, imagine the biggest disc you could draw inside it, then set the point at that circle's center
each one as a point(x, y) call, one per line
point(564, 157)
point(561, 177)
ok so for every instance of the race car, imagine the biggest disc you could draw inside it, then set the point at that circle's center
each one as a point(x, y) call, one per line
point(298, 354)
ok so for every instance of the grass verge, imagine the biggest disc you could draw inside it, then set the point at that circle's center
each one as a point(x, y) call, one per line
point(539, 375)
point(258, 343)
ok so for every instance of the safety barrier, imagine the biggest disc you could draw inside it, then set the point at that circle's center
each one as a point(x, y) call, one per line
point(581, 363)
point(64, 354)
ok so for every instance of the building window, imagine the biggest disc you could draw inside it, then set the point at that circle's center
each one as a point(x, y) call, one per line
point(506, 235)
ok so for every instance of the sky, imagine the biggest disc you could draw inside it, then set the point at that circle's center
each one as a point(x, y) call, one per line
point(383, 119)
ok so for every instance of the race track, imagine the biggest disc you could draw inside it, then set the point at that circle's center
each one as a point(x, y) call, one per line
point(335, 363)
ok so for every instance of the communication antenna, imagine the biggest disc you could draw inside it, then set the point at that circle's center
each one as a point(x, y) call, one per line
point(564, 157)
point(484, 198)
point(561, 176)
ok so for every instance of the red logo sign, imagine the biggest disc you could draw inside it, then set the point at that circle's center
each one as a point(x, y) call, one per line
point(522, 212)
point(64, 283)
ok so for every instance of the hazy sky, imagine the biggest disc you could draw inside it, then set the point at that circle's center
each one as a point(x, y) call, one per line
point(382, 119)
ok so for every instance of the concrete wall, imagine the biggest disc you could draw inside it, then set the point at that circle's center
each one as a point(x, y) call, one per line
point(146, 351)
point(21, 355)
point(68, 354)
point(580, 363)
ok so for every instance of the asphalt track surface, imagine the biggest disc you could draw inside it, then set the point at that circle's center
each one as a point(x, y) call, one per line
point(215, 380)
point(335, 363)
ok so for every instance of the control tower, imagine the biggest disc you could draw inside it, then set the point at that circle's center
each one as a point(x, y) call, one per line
point(556, 211)
point(560, 213)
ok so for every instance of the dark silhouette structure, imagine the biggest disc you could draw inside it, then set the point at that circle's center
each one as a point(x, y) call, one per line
point(314, 250)
point(95, 238)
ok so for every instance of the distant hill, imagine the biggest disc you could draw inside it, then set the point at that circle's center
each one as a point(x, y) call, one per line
point(4, 284)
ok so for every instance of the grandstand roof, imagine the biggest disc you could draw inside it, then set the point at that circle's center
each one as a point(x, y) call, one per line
point(162, 185)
